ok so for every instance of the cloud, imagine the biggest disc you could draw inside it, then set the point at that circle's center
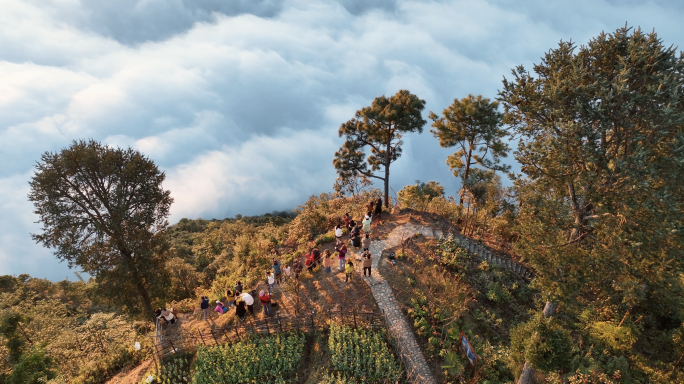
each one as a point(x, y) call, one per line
point(240, 101)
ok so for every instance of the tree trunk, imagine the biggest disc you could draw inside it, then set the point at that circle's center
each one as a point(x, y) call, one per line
point(527, 375)
point(465, 173)
point(144, 296)
point(388, 157)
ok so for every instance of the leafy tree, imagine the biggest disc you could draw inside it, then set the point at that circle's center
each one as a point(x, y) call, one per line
point(418, 195)
point(104, 209)
point(473, 124)
point(602, 148)
point(379, 129)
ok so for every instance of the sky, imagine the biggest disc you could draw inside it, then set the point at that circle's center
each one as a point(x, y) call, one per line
point(239, 101)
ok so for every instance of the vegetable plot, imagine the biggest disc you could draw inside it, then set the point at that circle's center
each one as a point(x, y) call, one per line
point(362, 354)
point(271, 359)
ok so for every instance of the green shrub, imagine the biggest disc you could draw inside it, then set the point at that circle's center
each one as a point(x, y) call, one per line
point(498, 293)
point(542, 342)
point(176, 369)
point(419, 195)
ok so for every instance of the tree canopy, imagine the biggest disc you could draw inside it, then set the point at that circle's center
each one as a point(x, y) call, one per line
point(104, 209)
point(374, 137)
point(602, 149)
point(474, 125)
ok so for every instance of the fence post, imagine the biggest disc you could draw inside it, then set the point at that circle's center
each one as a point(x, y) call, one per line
point(279, 322)
point(212, 335)
point(268, 330)
point(354, 314)
point(172, 347)
point(237, 334)
point(201, 337)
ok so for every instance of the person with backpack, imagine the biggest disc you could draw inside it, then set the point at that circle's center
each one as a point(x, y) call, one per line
point(367, 263)
point(349, 271)
point(220, 308)
point(204, 305)
point(265, 300)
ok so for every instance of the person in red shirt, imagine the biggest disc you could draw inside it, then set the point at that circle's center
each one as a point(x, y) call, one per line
point(265, 299)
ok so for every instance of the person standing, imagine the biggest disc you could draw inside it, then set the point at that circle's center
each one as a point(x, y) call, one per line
point(367, 263)
point(238, 288)
point(230, 298)
point(204, 305)
point(349, 271)
point(366, 224)
point(276, 270)
point(271, 282)
point(240, 310)
point(249, 300)
point(365, 243)
point(378, 207)
point(338, 235)
point(265, 300)
point(341, 254)
point(356, 240)
point(327, 261)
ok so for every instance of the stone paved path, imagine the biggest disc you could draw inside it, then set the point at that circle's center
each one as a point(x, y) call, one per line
point(399, 327)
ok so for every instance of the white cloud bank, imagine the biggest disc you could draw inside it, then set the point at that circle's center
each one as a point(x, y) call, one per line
point(239, 101)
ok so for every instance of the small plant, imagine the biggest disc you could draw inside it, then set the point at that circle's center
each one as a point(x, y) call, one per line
point(484, 266)
point(173, 370)
point(498, 293)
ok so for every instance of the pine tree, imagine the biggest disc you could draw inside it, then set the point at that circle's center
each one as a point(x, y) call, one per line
point(378, 129)
point(473, 124)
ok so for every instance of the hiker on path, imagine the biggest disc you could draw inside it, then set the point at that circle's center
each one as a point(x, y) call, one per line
point(367, 263)
point(341, 254)
point(355, 229)
point(166, 315)
point(327, 260)
point(338, 234)
point(240, 310)
point(265, 300)
point(230, 298)
point(204, 305)
point(365, 242)
point(288, 271)
point(238, 288)
point(276, 270)
point(367, 224)
point(249, 300)
point(349, 271)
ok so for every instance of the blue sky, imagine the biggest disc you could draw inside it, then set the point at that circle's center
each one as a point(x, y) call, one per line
point(239, 101)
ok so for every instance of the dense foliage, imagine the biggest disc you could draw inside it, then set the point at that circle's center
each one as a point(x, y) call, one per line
point(272, 359)
point(362, 354)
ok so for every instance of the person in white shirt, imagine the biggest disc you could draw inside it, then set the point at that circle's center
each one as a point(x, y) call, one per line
point(338, 234)
point(249, 300)
point(271, 281)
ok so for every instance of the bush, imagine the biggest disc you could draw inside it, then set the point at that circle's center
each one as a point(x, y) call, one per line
point(542, 342)
point(418, 196)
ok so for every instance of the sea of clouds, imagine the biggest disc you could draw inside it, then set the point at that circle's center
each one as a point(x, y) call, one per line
point(239, 101)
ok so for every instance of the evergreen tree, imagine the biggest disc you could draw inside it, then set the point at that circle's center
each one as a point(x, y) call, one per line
point(602, 149)
point(378, 129)
point(473, 124)
point(104, 209)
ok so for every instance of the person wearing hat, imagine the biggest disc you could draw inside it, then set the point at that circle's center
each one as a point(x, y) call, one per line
point(265, 300)
point(271, 281)
point(366, 224)
point(220, 307)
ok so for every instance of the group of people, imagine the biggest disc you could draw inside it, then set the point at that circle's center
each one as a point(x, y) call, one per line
point(360, 239)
